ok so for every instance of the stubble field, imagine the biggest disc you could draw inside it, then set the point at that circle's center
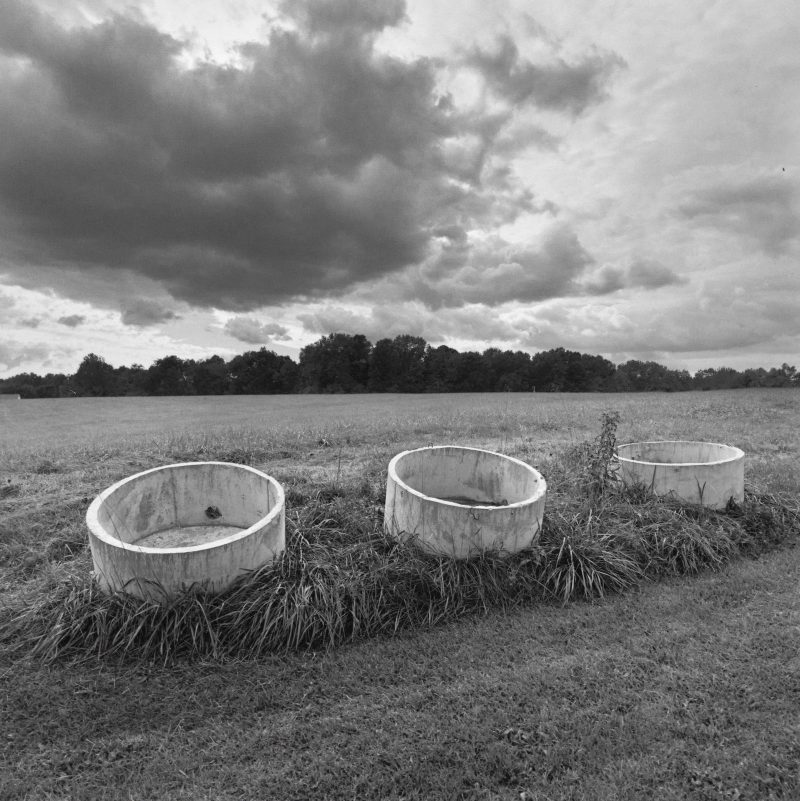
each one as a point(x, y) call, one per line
point(685, 687)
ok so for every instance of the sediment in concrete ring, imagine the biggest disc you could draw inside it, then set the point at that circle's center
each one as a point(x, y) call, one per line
point(459, 501)
point(193, 525)
point(706, 473)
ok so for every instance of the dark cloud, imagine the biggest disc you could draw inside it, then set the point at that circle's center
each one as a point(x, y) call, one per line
point(559, 85)
point(317, 165)
point(346, 16)
point(652, 275)
point(608, 279)
point(30, 322)
point(72, 320)
point(144, 312)
point(246, 329)
point(496, 272)
point(763, 208)
point(641, 274)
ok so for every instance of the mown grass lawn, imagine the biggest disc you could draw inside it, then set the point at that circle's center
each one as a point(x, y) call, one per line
point(685, 689)
point(688, 687)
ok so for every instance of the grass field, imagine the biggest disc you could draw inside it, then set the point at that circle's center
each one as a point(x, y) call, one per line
point(687, 687)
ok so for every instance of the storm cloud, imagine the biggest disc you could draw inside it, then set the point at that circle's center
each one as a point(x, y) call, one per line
point(560, 86)
point(315, 164)
point(495, 272)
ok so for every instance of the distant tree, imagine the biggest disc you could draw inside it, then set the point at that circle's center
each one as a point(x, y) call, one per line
point(209, 377)
point(382, 367)
point(349, 363)
point(718, 378)
point(262, 372)
point(784, 376)
point(639, 376)
point(25, 389)
point(507, 371)
point(469, 372)
point(410, 352)
point(26, 385)
point(94, 377)
point(598, 373)
point(52, 385)
point(705, 378)
point(32, 385)
point(167, 376)
point(549, 370)
point(681, 379)
point(398, 365)
point(131, 380)
point(575, 376)
point(440, 368)
point(754, 377)
point(336, 363)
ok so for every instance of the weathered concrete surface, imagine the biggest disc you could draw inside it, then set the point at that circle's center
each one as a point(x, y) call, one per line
point(196, 524)
point(461, 501)
point(706, 473)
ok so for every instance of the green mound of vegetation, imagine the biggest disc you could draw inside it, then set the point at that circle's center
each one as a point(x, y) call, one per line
point(342, 578)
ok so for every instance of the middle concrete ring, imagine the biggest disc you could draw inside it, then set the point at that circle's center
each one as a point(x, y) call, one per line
point(458, 501)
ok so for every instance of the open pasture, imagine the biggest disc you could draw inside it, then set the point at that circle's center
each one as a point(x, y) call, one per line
point(74, 431)
point(686, 687)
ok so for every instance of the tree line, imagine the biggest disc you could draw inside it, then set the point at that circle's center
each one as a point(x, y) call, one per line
point(347, 363)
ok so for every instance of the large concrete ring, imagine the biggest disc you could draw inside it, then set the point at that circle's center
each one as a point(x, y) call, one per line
point(459, 502)
point(196, 525)
point(706, 473)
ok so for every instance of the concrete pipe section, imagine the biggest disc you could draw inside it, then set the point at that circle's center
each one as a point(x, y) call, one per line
point(195, 525)
point(705, 473)
point(458, 501)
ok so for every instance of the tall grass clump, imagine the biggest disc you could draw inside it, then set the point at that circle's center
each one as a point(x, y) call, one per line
point(583, 558)
point(343, 578)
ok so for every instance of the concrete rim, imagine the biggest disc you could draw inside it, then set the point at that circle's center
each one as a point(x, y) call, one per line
point(100, 532)
point(735, 453)
point(541, 484)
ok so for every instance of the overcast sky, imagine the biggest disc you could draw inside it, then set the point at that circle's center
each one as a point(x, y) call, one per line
point(210, 176)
